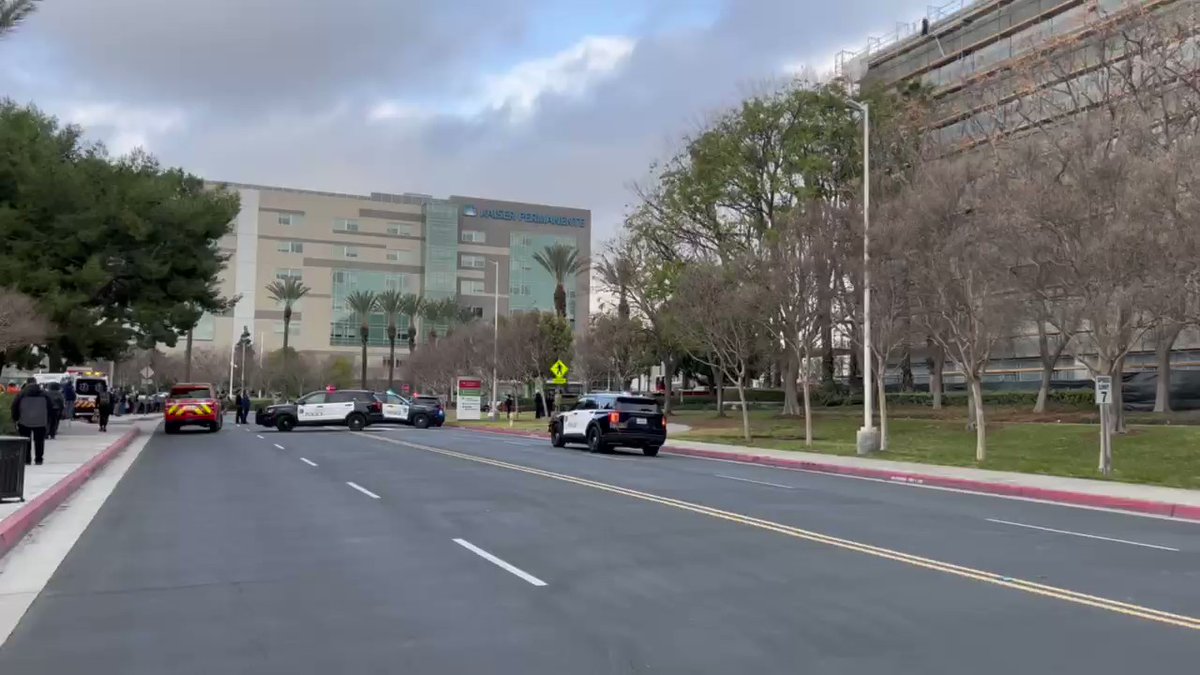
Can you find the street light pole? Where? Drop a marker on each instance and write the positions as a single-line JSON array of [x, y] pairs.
[[868, 437], [495, 338], [244, 341]]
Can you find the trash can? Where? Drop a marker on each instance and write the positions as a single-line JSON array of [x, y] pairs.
[[12, 467]]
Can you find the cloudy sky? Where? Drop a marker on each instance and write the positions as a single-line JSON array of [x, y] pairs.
[[553, 101]]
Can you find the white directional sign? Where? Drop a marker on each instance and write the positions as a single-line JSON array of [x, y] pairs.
[[1103, 390], [147, 373]]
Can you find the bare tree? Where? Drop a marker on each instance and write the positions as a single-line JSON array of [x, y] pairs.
[[963, 294], [21, 321], [718, 315]]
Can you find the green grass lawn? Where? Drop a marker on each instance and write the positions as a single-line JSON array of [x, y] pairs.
[[523, 422], [1160, 454]]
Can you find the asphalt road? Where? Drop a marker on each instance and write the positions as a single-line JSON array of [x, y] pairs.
[[448, 551]]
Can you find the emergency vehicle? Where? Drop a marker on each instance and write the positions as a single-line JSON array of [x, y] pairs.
[[87, 383], [192, 404]]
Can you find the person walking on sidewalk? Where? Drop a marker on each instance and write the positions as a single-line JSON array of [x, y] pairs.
[[57, 405], [69, 397], [104, 406], [31, 411]]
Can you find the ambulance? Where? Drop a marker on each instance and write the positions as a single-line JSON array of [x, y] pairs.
[[87, 383]]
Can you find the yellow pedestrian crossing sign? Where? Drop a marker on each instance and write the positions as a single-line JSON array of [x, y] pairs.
[[559, 370]]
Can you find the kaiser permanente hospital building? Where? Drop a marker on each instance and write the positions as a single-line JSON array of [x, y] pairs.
[[340, 243]]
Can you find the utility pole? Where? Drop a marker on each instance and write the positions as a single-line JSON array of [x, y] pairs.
[[868, 437], [495, 339]]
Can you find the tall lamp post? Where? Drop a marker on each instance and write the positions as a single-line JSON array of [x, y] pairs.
[[495, 339], [867, 440]]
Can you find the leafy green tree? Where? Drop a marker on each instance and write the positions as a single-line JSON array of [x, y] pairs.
[[287, 291], [413, 306], [392, 303], [563, 262], [116, 252], [12, 12], [363, 304]]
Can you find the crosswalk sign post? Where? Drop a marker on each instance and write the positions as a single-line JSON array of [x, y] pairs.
[[559, 370]]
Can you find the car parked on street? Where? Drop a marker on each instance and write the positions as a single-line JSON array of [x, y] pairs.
[[352, 408], [192, 405], [607, 420], [417, 412]]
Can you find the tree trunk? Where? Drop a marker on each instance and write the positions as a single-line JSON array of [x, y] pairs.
[[668, 375], [790, 370], [936, 370], [1162, 357], [826, 319], [906, 374], [980, 422], [187, 357], [391, 360], [1118, 398], [741, 387], [883, 419], [808, 413], [719, 381], [363, 368], [560, 301], [1049, 361]]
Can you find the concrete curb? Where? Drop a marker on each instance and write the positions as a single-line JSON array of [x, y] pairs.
[[1183, 511], [19, 523]]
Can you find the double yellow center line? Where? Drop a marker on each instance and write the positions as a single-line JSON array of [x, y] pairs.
[[1128, 609]]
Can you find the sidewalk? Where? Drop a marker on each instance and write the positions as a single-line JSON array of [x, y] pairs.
[[1149, 499], [78, 452]]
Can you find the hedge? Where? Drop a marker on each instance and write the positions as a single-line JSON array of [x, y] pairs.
[[7, 427]]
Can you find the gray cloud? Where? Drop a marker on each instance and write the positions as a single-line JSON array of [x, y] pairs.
[[279, 92]]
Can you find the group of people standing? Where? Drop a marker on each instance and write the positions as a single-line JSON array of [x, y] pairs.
[[37, 413], [241, 408]]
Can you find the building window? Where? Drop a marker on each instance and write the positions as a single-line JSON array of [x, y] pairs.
[[290, 219], [472, 287], [474, 237], [476, 262], [520, 289], [344, 225], [396, 282], [439, 280], [291, 247], [476, 312], [293, 328], [401, 230], [285, 273], [346, 251], [406, 257]]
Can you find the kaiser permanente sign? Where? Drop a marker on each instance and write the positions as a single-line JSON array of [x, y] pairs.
[[535, 218]]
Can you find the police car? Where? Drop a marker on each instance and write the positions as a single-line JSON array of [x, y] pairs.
[[607, 420], [420, 411], [353, 408]]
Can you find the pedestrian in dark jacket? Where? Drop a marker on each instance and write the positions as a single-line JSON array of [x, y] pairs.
[[244, 408], [104, 406], [31, 411], [57, 405], [69, 396]]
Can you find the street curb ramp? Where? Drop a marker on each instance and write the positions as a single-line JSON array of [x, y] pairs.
[[1182, 511], [24, 519]]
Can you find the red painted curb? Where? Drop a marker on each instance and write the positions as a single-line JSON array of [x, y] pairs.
[[24, 519], [1184, 511]]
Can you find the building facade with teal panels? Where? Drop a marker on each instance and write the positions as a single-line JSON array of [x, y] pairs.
[[479, 252]]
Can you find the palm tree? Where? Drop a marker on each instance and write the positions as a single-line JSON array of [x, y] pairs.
[[562, 262], [363, 304], [618, 273], [413, 306], [287, 291], [392, 304], [437, 311], [12, 12]]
